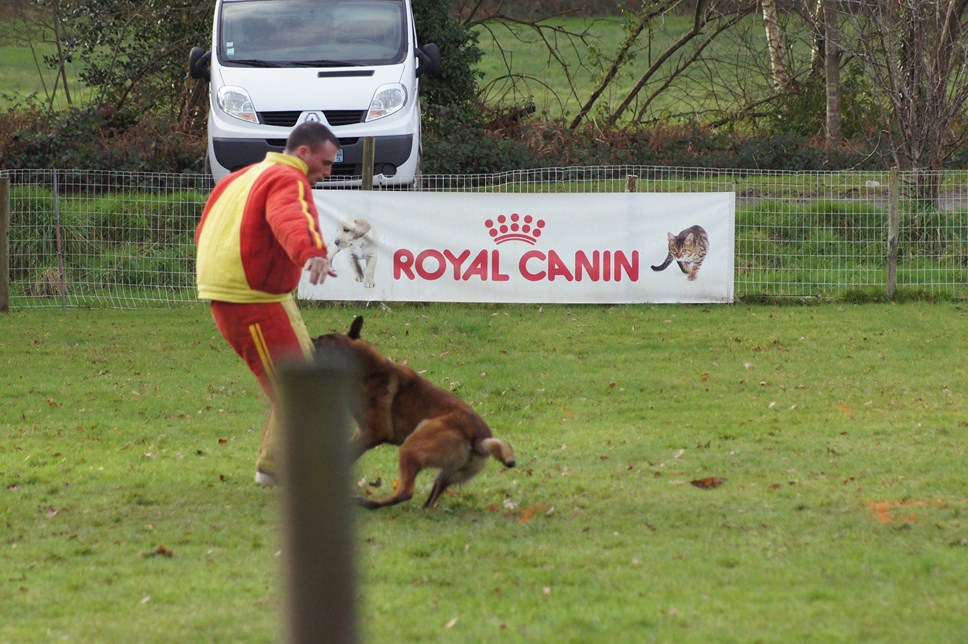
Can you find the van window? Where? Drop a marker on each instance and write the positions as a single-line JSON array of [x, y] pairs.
[[318, 33]]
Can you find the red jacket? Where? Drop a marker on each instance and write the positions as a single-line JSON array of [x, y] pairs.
[[257, 230]]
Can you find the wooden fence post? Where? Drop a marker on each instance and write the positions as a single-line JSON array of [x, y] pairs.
[[318, 545], [4, 244], [631, 183], [369, 152], [893, 222]]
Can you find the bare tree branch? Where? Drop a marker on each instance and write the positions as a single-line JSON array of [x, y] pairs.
[[621, 57], [685, 64], [701, 17], [916, 57], [555, 39]]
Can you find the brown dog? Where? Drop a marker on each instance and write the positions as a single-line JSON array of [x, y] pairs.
[[433, 427]]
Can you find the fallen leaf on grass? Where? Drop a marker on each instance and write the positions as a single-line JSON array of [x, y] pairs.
[[530, 512], [708, 483], [160, 551], [884, 510]]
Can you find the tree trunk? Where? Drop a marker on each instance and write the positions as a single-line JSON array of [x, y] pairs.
[[782, 80], [818, 45], [832, 130]]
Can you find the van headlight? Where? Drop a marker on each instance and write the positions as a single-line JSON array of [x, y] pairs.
[[386, 100], [236, 102]]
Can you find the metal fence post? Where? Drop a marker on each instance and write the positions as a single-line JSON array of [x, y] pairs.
[[4, 244], [893, 221], [61, 277], [318, 544]]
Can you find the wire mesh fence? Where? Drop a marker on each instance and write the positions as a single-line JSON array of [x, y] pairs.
[[122, 239]]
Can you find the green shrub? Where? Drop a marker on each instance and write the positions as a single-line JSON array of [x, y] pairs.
[[92, 140], [456, 146]]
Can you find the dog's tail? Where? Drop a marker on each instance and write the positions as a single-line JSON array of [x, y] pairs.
[[498, 449]]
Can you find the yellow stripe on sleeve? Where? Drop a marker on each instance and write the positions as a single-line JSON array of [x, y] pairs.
[[317, 238]]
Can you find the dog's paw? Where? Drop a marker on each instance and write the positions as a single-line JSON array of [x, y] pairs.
[[369, 284]]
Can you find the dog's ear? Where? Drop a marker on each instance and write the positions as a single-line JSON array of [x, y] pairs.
[[362, 226], [356, 327]]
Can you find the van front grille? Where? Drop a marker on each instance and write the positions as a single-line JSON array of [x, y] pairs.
[[344, 117], [334, 117]]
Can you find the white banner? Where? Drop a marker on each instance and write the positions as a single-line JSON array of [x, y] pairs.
[[529, 248]]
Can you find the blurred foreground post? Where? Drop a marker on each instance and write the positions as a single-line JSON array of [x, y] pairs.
[[318, 543]]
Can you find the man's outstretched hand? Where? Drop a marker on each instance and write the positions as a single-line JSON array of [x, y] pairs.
[[319, 269]]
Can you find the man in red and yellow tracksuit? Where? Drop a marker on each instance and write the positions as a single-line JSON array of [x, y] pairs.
[[259, 230]]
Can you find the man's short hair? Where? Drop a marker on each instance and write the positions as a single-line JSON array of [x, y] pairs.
[[311, 134]]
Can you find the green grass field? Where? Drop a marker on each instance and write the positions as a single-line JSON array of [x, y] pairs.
[[21, 78], [128, 442]]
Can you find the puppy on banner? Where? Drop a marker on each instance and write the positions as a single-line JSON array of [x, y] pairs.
[[357, 236]]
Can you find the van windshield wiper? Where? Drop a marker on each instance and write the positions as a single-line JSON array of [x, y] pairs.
[[324, 63], [255, 62]]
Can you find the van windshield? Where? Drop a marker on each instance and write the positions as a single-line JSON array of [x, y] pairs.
[[320, 33]]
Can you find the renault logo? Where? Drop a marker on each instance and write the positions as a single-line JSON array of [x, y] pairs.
[[313, 117]]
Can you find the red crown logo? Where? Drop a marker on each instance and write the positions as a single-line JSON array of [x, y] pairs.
[[514, 228]]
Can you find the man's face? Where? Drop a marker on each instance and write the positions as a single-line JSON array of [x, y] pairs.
[[319, 159]]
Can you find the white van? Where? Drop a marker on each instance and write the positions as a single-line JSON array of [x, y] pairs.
[[351, 64]]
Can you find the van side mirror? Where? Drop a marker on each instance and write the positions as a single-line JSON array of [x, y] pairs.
[[429, 57], [199, 66]]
